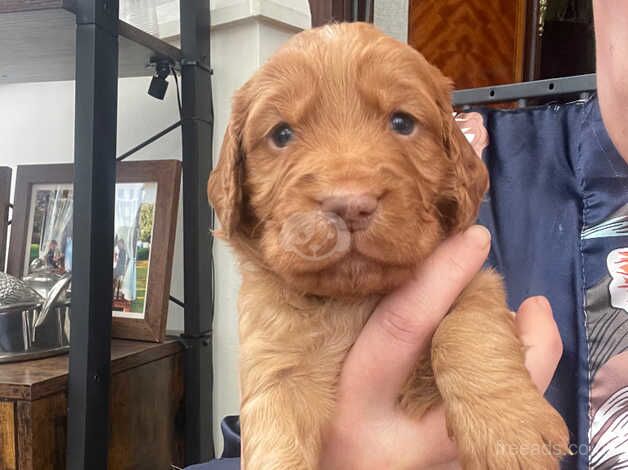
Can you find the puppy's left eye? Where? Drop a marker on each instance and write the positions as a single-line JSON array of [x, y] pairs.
[[402, 123], [282, 135]]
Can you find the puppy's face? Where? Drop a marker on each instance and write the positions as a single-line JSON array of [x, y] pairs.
[[342, 167]]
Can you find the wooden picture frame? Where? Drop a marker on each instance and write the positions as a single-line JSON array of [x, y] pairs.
[[5, 202], [163, 178]]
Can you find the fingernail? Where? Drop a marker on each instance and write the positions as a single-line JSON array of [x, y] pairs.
[[478, 235], [542, 302]]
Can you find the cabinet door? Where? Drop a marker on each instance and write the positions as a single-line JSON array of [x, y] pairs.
[[7, 436], [41, 433], [474, 42]]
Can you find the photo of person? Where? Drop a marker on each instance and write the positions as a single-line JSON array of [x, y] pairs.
[[134, 220], [120, 263], [53, 255], [50, 229], [49, 246]]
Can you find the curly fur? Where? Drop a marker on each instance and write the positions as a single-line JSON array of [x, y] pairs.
[[309, 285]]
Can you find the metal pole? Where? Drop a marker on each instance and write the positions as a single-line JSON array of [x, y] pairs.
[[532, 42], [94, 194], [197, 124], [149, 141]]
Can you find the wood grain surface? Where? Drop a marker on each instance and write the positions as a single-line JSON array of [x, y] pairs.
[[146, 421], [8, 457], [42, 433], [32, 380], [146, 403], [476, 42]]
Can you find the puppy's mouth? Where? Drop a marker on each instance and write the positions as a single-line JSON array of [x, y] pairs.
[[321, 239]]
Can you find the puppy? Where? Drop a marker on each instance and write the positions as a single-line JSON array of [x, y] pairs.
[[341, 170]]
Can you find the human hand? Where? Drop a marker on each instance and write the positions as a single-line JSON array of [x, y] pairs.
[[368, 430]]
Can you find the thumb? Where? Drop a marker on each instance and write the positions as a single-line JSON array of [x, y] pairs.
[[539, 334]]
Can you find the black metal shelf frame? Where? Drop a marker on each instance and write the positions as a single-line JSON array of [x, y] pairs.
[[97, 29], [522, 91]]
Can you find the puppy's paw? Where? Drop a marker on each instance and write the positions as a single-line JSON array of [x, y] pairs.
[[524, 433]]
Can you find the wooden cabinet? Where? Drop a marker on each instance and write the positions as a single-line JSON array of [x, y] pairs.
[[474, 42], [146, 409]]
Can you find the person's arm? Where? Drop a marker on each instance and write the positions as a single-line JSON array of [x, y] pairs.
[[611, 35]]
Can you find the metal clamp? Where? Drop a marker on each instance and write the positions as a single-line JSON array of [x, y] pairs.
[[197, 63]]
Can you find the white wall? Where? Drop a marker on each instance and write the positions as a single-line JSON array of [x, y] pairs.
[[37, 127], [245, 34], [391, 16]]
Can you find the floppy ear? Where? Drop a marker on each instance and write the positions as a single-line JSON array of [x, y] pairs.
[[224, 187], [468, 181], [468, 177]]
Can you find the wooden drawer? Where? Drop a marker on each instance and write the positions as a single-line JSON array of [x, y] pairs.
[[146, 406]]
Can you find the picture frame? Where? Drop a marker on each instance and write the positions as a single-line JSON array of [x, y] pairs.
[[5, 203], [147, 198]]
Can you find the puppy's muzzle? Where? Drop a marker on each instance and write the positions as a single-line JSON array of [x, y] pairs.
[[356, 209]]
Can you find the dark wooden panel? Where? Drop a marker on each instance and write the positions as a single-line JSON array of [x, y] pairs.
[[42, 433], [475, 42], [5, 199], [24, 435], [145, 404], [35, 379], [146, 426], [8, 460]]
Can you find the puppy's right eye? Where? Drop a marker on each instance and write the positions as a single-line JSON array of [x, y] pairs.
[[282, 135], [402, 123]]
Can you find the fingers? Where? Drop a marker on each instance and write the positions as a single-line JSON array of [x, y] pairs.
[[403, 323], [538, 332]]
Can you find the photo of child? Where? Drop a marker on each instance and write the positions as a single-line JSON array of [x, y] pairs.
[[50, 239]]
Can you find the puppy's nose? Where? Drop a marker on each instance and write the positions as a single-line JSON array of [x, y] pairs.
[[355, 209]]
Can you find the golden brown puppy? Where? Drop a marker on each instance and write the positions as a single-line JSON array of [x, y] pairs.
[[341, 170]]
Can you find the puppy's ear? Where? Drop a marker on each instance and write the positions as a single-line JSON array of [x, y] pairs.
[[468, 179], [224, 187]]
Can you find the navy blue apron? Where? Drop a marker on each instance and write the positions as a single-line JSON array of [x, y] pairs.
[[558, 212]]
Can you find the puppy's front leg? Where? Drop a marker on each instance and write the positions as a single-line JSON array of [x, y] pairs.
[[496, 415], [281, 424], [290, 361]]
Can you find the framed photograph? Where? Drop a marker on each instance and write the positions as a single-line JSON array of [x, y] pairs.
[[146, 202], [5, 200]]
